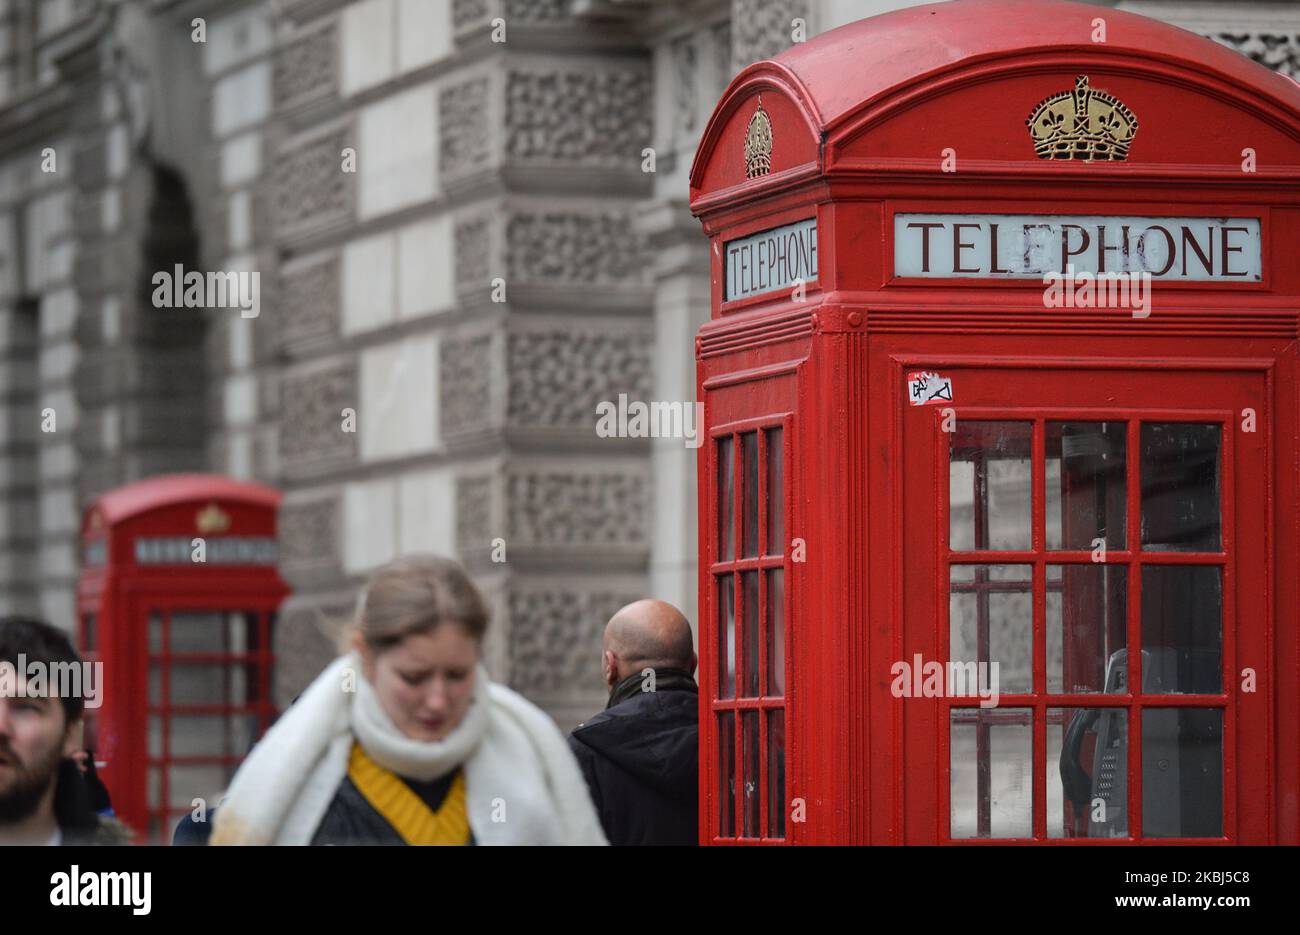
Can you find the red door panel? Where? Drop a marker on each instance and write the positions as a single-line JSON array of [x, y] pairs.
[[1091, 542]]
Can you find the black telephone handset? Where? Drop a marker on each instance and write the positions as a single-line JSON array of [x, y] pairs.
[[1099, 797], [1181, 759]]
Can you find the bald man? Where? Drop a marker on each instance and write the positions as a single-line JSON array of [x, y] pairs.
[[640, 755]]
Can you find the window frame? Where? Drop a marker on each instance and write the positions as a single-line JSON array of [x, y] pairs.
[[719, 569], [259, 660], [1134, 558]]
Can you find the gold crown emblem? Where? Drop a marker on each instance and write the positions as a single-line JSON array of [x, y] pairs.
[[212, 519], [1082, 124], [758, 143]]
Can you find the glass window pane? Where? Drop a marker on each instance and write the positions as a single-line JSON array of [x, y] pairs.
[[726, 498], [749, 664], [1087, 773], [155, 786], [241, 733], [991, 763], [155, 632], [726, 637], [990, 620], [241, 630], [91, 646], [199, 684], [1182, 629], [1086, 627], [1182, 772], [776, 773], [209, 735], [1180, 487], [155, 735], [989, 486], [206, 684], [749, 444], [776, 632], [1086, 484], [750, 802], [243, 682], [775, 492], [197, 632], [727, 774]]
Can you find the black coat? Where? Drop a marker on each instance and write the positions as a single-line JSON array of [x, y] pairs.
[[640, 757]]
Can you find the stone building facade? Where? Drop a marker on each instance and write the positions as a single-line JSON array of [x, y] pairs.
[[470, 222]]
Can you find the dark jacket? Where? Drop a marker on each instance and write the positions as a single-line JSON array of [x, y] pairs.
[[76, 815], [108, 832], [640, 757], [190, 832]]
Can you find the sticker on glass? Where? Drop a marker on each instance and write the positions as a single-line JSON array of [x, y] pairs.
[[924, 388]]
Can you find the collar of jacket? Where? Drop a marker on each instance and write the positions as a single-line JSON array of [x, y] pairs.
[[665, 680]]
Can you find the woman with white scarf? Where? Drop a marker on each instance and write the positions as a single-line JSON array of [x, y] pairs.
[[406, 739]]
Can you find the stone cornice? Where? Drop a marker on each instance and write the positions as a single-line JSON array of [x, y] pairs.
[[35, 118]]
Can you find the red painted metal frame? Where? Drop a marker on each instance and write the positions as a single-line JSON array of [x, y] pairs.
[[857, 138]]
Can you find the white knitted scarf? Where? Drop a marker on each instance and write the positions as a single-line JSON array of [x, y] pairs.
[[522, 784]]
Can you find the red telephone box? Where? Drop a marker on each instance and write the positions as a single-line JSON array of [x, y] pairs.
[[998, 521], [177, 598]]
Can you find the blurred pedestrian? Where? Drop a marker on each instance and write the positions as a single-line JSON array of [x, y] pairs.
[[405, 739], [44, 798], [640, 756]]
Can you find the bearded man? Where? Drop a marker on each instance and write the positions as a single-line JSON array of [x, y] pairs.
[[43, 796]]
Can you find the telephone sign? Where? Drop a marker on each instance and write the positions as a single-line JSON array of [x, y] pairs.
[[989, 246]]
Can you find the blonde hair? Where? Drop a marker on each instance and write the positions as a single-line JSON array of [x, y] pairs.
[[416, 594]]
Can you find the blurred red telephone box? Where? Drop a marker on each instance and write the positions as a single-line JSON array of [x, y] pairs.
[[996, 545], [177, 597]]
